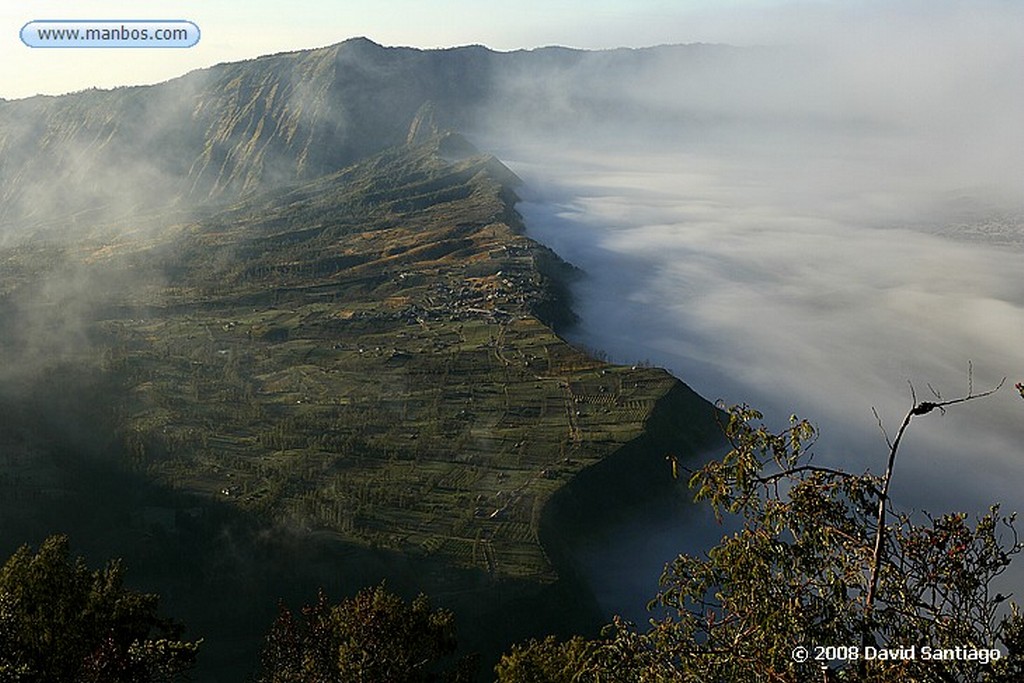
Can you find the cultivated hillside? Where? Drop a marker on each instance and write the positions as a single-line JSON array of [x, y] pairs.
[[369, 355], [278, 300]]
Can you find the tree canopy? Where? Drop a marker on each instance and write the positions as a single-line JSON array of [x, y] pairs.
[[822, 574], [61, 621], [372, 637]]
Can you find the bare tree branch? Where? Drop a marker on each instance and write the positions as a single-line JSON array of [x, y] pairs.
[[922, 408], [881, 427]]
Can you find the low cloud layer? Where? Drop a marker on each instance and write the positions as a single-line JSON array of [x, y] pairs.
[[717, 270], [792, 310], [816, 230], [808, 226]]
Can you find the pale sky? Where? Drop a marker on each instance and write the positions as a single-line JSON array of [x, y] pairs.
[[233, 30], [241, 29]]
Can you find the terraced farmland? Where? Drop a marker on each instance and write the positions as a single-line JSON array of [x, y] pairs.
[[370, 355]]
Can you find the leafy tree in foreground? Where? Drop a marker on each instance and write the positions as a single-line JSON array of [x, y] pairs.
[[822, 558], [546, 661], [62, 622], [373, 637]]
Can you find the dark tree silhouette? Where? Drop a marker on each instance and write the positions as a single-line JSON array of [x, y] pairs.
[[62, 622], [373, 637]]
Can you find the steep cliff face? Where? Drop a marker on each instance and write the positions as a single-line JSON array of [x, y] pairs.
[[235, 129], [221, 132]]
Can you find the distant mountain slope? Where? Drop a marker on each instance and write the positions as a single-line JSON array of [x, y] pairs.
[[236, 128], [279, 290], [218, 132]]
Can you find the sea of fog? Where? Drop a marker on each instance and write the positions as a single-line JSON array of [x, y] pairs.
[[825, 280]]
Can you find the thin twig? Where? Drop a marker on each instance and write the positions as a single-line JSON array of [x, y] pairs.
[[922, 408], [881, 427]]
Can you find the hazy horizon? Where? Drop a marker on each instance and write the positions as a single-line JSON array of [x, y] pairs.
[[263, 28], [230, 34]]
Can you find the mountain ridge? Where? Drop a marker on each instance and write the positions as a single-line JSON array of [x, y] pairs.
[[366, 355], [235, 128]]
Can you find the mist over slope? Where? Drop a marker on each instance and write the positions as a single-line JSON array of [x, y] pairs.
[[806, 228], [843, 218], [817, 228], [219, 132], [361, 360], [234, 129]]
